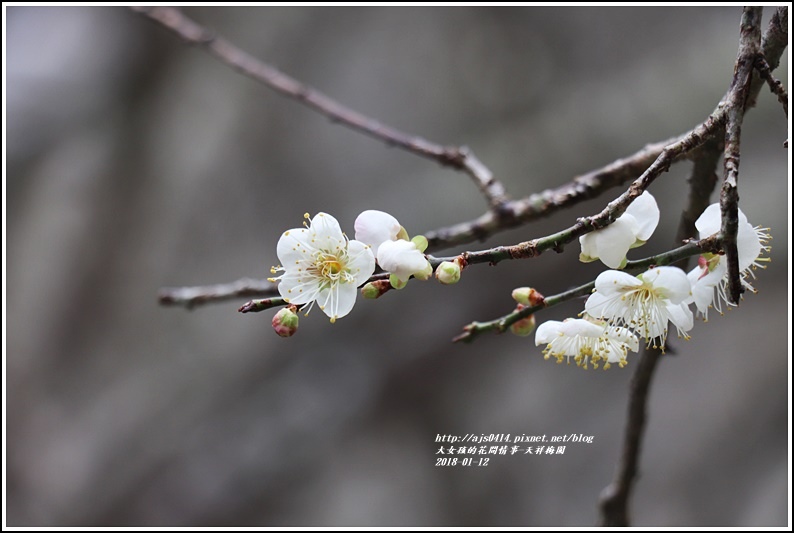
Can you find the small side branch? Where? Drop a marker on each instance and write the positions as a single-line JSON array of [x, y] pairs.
[[255, 306], [190, 297], [500, 325], [609, 214], [459, 158], [774, 84]]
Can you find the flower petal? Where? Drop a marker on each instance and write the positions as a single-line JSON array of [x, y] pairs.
[[297, 288], [338, 300], [376, 227], [361, 261], [401, 258], [583, 328], [709, 222], [670, 282], [748, 245], [547, 332], [681, 316], [614, 241], [646, 213], [293, 246], [614, 282]]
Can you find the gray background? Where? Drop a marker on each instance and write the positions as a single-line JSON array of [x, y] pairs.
[[135, 162]]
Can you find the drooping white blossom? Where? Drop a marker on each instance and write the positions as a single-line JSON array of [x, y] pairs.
[[709, 279], [321, 265], [401, 258], [394, 253], [645, 303], [376, 227], [587, 341], [631, 229]]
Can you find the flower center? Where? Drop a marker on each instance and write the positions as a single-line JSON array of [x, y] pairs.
[[331, 267]]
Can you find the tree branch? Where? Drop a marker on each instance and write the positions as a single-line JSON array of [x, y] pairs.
[[459, 158], [615, 496], [610, 213], [190, 297], [749, 43]]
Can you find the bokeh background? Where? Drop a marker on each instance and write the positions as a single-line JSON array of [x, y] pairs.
[[135, 162]]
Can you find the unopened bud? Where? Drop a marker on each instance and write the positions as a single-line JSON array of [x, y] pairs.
[[421, 243], [285, 322], [523, 327], [370, 291], [375, 289], [528, 296], [424, 274], [448, 272], [396, 282]]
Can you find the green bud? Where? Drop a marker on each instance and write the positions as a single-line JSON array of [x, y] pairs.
[[448, 272], [285, 322], [421, 243], [523, 327], [527, 296], [396, 282], [370, 291]]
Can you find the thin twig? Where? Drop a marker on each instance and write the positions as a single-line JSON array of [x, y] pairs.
[[774, 84], [609, 214], [255, 306], [459, 158], [500, 325], [749, 43], [190, 297]]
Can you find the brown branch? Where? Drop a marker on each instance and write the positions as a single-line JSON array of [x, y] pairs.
[[615, 496], [701, 184], [609, 214], [255, 306], [459, 158], [774, 84], [190, 297], [749, 43]]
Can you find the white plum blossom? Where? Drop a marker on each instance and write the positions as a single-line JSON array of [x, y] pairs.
[[394, 253], [645, 303], [631, 229], [376, 227], [709, 279], [321, 265], [704, 279], [586, 341], [401, 258]]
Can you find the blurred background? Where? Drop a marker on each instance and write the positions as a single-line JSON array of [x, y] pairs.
[[136, 162]]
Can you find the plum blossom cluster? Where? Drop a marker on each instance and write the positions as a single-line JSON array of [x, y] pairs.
[[624, 308], [322, 266]]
